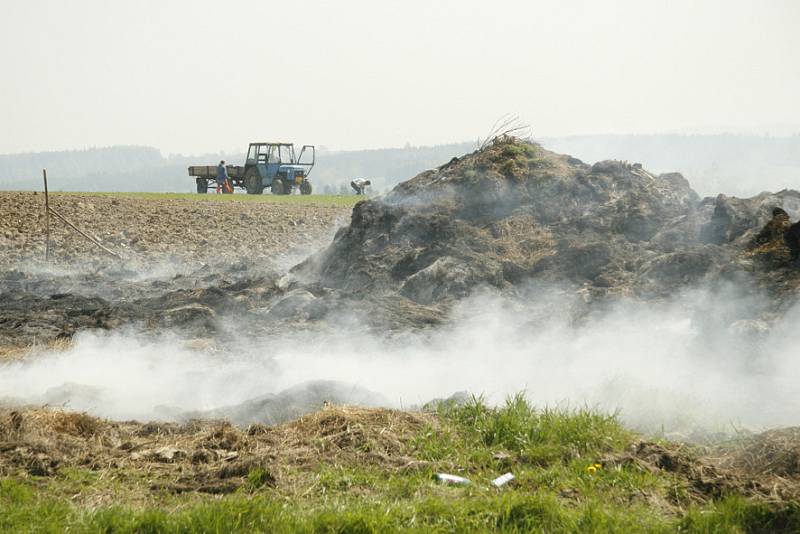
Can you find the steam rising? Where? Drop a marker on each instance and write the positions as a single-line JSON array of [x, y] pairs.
[[696, 361]]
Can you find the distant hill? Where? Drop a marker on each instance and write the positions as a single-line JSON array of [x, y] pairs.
[[741, 165], [118, 168]]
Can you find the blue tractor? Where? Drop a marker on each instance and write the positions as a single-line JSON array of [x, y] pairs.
[[274, 166], [268, 165]]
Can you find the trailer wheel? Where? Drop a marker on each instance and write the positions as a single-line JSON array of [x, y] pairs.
[[252, 183], [305, 187], [277, 187], [202, 186]]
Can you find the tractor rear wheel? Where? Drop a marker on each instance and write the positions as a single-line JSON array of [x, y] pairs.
[[252, 183], [305, 187], [202, 186], [277, 187]]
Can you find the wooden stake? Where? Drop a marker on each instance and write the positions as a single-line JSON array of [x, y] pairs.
[[47, 218], [84, 234]]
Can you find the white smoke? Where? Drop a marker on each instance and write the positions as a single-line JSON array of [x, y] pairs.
[[696, 361]]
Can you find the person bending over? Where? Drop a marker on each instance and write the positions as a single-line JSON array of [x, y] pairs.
[[360, 185]]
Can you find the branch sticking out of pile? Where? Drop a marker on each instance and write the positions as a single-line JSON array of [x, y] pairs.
[[506, 126]]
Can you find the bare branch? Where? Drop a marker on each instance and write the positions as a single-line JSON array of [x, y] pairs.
[[506, 126]]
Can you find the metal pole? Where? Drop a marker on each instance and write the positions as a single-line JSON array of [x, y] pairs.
[[47, 218]]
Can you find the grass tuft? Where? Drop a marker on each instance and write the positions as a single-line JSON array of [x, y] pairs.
[[541, 436]]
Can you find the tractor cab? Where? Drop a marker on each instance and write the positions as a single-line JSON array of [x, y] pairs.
[[274, 165]]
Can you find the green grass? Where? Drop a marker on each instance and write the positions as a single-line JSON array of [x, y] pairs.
[[549, 452], [503, 512], [311, 200]]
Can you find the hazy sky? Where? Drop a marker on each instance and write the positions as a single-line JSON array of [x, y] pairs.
[[196, 76]]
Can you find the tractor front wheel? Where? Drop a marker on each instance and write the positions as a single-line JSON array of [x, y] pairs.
[[253, 184], [202, 186], [305, 187], [277, 187]]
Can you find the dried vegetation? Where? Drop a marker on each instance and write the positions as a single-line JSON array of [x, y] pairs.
[[205, 456]]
